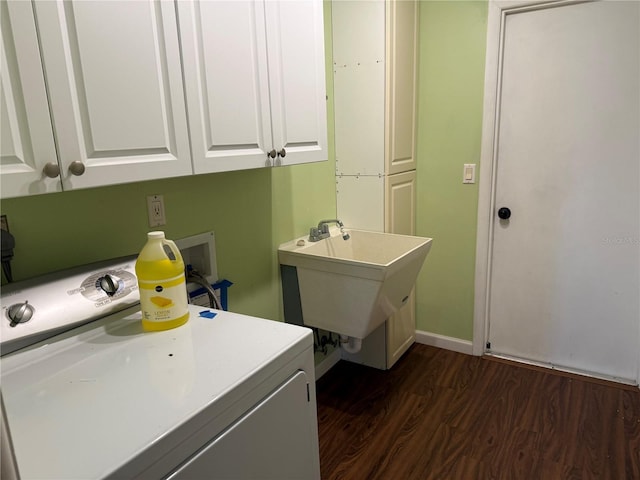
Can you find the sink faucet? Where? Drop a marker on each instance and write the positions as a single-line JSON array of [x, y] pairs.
[[322, 230]]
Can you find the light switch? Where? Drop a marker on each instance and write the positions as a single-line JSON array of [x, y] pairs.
[[469, 174]]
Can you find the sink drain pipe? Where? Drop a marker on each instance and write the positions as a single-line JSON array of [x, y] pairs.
[[350, 344]]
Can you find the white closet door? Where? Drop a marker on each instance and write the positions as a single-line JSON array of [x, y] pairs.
[[26, 143], [226, 78], [400, 204], [115, 83], [401, 79], [565, 271], [295, 40]]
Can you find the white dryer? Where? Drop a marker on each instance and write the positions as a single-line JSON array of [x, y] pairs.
[[223, 396]]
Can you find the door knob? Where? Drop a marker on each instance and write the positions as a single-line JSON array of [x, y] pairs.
[[282, 153], [272, 153], [504, 213], [51, 170], [76, 168]]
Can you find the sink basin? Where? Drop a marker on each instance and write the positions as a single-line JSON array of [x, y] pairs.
[[352, 286]]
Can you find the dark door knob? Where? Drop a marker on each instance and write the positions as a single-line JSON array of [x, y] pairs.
[[504, 213]]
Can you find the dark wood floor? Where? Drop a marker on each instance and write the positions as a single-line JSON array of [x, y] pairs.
[[438, 414]]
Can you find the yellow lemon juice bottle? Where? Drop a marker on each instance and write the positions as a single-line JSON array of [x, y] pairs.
[[161, 280]]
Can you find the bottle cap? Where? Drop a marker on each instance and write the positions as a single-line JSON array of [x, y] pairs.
[[155, 235]]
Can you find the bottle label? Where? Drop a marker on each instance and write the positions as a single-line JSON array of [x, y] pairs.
[[164, 300]]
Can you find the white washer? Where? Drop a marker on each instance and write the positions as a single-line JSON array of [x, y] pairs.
[[223, 396]]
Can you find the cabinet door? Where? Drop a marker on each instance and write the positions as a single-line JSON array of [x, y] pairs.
[[26, 143], [400, 218], [400, 203], [402, 41], [225, 70], [295, 40], [115, 83]]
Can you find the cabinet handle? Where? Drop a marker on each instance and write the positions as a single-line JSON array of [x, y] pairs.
[[76, 168], [282, 153], [51, 170], [272, 153]]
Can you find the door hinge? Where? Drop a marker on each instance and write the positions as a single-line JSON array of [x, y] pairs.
[[308, 394], [488, 345]]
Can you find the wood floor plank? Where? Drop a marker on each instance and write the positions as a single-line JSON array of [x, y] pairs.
[[629, 409], [444, 415], [387, 443], [546, 413], [553, 470], [597, 432], [519, 455], [421, 433]]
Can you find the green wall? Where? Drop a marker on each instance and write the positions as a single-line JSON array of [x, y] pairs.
[[253, 211], [450, 95], [250, 211]]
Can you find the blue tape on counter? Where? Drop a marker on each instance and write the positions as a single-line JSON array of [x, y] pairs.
[[207, 314]]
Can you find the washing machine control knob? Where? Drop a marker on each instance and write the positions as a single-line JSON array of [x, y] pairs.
[[20, 313], [108, 284]]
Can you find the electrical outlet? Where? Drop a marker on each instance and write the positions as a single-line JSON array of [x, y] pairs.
[[155, 208], [4, 223]]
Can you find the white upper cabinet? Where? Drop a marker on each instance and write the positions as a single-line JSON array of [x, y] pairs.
[[255, 82], [115, 90], [26, 142], [92, 92]]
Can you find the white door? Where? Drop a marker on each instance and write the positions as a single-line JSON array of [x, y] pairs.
[[27, 144], [115, 83], [565, 269]]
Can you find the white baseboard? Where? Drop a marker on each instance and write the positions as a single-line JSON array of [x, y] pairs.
[[442, 341], [325, 365]]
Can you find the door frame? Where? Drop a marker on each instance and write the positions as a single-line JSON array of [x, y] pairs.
[[498, 11]]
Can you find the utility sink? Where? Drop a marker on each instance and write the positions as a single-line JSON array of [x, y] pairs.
[[352, 286]]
